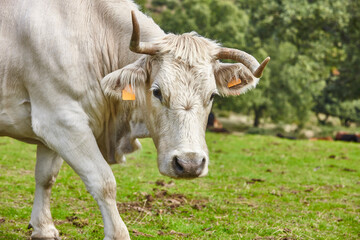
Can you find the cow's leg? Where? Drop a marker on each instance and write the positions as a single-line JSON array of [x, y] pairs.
[[48, 164], [76, 144], [86, 159]]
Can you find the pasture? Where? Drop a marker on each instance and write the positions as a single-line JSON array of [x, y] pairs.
[[258, 188]]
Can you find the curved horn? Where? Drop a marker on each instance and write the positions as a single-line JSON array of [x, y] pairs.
[[135, 44], [244, 58]]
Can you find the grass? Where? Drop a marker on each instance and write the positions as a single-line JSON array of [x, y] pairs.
[[235, 122], [258, 187]]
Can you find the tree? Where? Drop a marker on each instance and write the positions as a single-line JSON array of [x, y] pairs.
[[342, 92], [306, 40]]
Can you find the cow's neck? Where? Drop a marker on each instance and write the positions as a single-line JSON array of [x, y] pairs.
[[112, 53], [113, 42]]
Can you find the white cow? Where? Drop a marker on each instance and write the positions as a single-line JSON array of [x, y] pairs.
[[63, 67]]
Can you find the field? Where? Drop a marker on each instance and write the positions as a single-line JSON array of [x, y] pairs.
[[258, 187]]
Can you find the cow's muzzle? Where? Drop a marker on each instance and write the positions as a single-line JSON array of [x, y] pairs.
[[188, 165]]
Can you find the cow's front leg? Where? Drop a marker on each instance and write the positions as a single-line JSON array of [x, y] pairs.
[[48, 164], [76, 144], [86, 159]]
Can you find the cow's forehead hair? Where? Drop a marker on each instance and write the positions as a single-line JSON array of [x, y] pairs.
[[175, 72], [189, 48], [182, 83], [186, 60]]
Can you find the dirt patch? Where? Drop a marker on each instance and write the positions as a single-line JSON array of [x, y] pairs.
[[2, 220], [141, 207], [254, 180], [160, 201], [349, 170], [331, 188], [172, 232], [76, 221], [137, 233], [164, 184], [264, 238]]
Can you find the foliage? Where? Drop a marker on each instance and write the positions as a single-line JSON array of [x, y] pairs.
[[307, 40], [347, 111], [293, 190]]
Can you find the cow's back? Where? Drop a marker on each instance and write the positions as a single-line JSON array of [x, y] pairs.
[[49, 56], [53, 55]]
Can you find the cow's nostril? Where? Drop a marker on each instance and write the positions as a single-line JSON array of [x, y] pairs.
[[201, 166], [177, 165]]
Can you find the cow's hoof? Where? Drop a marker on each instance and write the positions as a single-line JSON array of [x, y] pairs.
[[49, 234]]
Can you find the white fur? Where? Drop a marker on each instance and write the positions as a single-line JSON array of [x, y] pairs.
[[63, 65]]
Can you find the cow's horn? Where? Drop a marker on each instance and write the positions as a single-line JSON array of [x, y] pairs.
[[135, 44], [244, 58]]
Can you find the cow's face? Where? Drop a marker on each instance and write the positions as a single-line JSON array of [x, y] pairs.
[[175, 83], [178, 103]]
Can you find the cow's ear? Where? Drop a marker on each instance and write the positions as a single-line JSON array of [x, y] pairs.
[[127, 83], [234, 79]]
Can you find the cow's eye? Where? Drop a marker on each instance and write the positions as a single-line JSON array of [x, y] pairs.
[[157, 94]]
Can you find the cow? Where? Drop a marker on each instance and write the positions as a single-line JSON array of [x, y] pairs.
[[347, 137], [65, 68]]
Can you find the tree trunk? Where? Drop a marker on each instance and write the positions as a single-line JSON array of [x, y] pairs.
[[258, 112], [346, 122]]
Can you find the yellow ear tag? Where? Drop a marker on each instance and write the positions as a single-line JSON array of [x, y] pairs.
[[234, 82], [128, 93]]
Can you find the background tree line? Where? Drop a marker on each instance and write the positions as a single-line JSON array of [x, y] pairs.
[[314, 46]]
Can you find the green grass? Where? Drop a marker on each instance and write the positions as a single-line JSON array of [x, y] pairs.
[[258, 187]]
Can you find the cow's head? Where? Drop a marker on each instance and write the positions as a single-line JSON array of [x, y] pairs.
[[175, 82]]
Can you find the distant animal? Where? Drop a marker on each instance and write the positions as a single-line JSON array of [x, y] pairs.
[[347, 137], [67, 72], [214, 125]]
